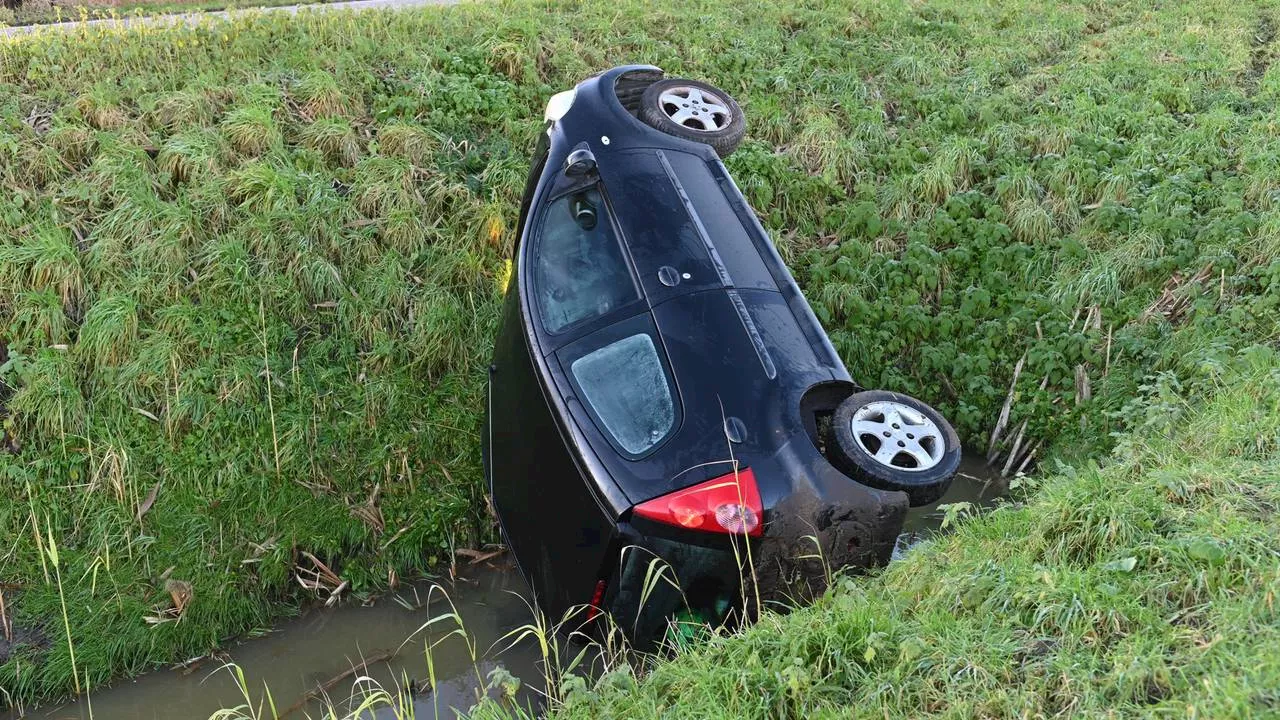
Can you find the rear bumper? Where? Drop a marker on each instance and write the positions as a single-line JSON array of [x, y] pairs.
[[828, 524]]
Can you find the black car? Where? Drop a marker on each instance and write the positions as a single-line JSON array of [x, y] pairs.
[[660, 389]]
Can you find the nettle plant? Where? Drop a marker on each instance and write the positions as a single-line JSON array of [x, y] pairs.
[[1046, 287]]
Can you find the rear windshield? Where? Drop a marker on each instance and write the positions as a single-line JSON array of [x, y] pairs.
[[626, 387], [579, 271]]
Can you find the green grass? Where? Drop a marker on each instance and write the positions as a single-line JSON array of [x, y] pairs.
[[256, 265], [44, 12]]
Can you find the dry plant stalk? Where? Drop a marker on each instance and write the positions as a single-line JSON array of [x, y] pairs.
[[369, 511], [326, 686], [1176, 296], [1003, 420], [5, 625], [320, 578]]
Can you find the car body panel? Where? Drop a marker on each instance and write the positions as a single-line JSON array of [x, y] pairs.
[[712, 207], [672, 223]]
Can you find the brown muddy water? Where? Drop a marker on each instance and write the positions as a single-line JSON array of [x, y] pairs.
[[307, 652], [975, 483]]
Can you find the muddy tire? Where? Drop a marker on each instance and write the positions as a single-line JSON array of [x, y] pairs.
[[694, 111], [892, 441]]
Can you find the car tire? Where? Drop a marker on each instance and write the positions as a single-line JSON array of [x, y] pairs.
[[892, 441], [710, 115]]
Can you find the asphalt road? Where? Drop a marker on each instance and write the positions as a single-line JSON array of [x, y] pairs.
[[185, 18]]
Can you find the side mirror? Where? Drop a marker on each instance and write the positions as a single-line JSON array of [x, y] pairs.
[[580, 163]]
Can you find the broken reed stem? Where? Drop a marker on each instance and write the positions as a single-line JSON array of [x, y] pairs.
[[336, 593], [1003, 420], [1106, 368], [1084, 387], [1026, 459], [1013, 453], [325, 687], [5, 625]]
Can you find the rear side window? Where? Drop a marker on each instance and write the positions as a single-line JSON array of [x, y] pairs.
[[579, 270], [626, 387]]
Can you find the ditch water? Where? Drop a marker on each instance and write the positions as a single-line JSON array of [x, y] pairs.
[[307, 652], [310, 651], [975, 483]]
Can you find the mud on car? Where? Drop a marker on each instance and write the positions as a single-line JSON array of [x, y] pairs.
[[661, 390]]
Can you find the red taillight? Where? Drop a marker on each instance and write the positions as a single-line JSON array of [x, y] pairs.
[[727, 504], [597, 597]]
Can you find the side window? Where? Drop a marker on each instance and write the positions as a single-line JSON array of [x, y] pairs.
[[626, 387], [579, 270]]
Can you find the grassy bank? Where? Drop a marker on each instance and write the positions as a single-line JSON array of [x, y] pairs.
[[43, 12], [249, 271]]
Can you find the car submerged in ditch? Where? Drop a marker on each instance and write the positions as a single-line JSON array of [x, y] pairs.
[[669, 431]]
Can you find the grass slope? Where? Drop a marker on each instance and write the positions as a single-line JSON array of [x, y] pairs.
[[43, 12], [255, 264]]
